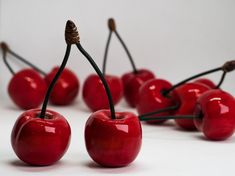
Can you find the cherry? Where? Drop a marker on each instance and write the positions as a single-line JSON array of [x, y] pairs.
[[40, 136], [207, 82], [66, 88], [38, 141], [112, 138], [215, 114], [93, 89], [132, 83], [160, 96], [94, 94], [27, 89], [186, 96], [113, 143], [151, 97], [131, 80], [7, 50]]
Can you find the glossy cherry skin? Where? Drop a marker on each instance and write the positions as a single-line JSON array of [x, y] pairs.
[[39, 141], [207, 82], [186, 96], [151, 98], [215, 114], [27, 89], [132, 82], [113, 143], [94, 94], [66, 88]]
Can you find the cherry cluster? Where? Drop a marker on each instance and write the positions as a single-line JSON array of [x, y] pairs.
[[113, 139]]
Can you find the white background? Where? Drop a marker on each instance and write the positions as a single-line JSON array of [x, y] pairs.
[[174, 38]]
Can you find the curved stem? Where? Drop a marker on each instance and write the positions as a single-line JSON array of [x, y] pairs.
[[167, 117], [127, 52], [26, 62], [53, 82], [4, 55], [221, 80], [166, 92], [106, 52], [160, 111], [101, 76]]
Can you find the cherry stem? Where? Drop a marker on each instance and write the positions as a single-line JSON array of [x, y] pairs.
[[53, 82], [4, 55], [166, 92], [106, 52], [170, 108], [112, 28], [101, 76], [6, 49], [226, 67], [221, 80], [141, 118], [127, 52], [26, 62]]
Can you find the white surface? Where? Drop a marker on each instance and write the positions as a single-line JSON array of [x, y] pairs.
[[166, 150], [191, 35]]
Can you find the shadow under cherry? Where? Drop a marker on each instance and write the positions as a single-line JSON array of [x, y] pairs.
[[17, 164]]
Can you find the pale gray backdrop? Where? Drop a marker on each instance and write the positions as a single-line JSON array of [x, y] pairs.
[[174, 38]]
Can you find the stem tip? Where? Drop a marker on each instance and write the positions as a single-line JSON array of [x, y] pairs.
[[111, 24], [71, 33], [229, 66], [4, 46]]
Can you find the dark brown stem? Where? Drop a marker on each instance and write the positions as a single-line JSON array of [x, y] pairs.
[[221, 80], [101, 76], [171, 108], [112, 28], [106, 52], [167, 117], [135, 71], [6, 50], [71, 37], [227, 67], [53, 82]]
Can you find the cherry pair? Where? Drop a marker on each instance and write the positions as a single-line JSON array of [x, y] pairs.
[[214, 115], [41, 136], [27, 87], [128, 84], [216, 112]]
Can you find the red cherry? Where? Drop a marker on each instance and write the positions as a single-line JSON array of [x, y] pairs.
[[113, 142], [66, 88], [132, 82], [151, 97], [215, 114], [207, 82], [94, 93], [39, 141], [186, 96], [27, 89]]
